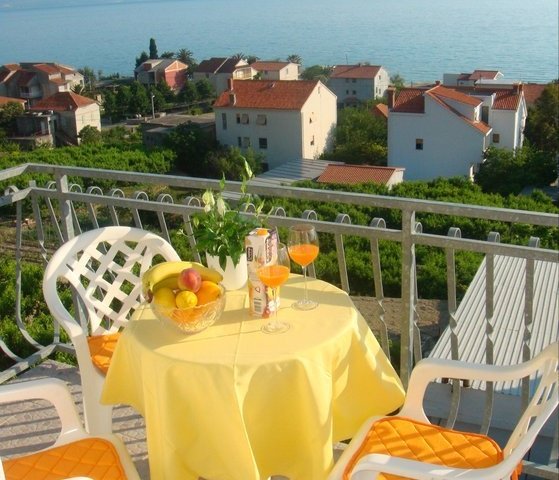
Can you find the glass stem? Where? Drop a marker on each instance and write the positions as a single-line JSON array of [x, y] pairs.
[[305, 298], [275, 300]]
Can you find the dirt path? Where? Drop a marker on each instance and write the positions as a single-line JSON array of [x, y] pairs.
[[432, 314]]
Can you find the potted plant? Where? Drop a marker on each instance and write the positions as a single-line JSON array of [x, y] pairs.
[[220, 232]]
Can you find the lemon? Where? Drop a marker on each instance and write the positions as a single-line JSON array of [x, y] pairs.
[[165, 297], [186, 299]]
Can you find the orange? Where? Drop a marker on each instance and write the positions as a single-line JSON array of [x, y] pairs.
[[208, 292]]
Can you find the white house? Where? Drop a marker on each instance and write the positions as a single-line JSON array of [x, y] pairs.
[[34, 81], [61, 116], [470, 79], [440, 131], [435, 132], [358, 83], [219, 70], [284, 120], [276, 70]]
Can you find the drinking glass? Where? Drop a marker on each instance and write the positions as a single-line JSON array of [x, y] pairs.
[[273, 275], [303, 249]]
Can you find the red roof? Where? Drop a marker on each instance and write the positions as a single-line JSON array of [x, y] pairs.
[[218, 65], [380, 110], [48, 69], [278, 94], [480, 74], [62, 102], [532, 92], [355, 71], [412, 100], [272, 66], [506, 100], [353, 174], [6, 100], [451, 94], [409, 100], [25, 78]]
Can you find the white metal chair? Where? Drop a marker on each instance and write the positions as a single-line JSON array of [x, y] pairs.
[[75, 454], [104, 267], [373, 450]]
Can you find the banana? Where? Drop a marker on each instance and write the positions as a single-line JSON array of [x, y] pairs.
[[208, 273], [169, 282], [162, 272]]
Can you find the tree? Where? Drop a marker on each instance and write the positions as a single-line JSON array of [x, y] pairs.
[[142, 58], [8, 114], [152, 48], [140, 102], [186, 56], [123, 97], [90, 135], [163, 88], [109, 104], [190, 143], [88, 77], [542, 124], [205, 89], [251, 59], [506, 172], [317, 72], [294, 58], [167, 54], [360, 138], [397, 81], [188, 93]]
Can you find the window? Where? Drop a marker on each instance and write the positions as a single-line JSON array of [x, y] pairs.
[[347, 92], [244, 118], [224, 121], [353, 80], [261, 119], [239, 142], [263, 143], [419, 144], [246, 142], [496, 138], [312, 140], [354, 92], [238, 118]]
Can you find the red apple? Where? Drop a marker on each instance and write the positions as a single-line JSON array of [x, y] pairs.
[[189, 279]]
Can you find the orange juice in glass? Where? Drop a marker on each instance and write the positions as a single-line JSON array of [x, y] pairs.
[[303, 249], [273, 276]]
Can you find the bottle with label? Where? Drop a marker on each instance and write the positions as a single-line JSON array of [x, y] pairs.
[[260, 240]]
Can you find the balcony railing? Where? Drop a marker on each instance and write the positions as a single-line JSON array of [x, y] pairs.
[[55, 207]]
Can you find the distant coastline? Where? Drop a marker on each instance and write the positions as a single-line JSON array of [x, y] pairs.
[[455, 37]]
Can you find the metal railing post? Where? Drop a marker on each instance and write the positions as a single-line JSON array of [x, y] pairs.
[[408, 283]]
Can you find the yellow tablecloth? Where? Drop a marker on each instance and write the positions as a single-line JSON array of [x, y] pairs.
[[233, 403]]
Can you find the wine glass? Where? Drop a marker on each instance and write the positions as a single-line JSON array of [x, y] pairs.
[[303, 249], [274, 274]]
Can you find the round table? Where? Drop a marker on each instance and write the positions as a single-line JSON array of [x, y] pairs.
[[234, 403]]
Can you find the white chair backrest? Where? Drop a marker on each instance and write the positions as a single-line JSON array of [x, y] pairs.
[[105, 268], [543, 372]]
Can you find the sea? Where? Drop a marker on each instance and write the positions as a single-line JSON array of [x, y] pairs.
[[419, 40]]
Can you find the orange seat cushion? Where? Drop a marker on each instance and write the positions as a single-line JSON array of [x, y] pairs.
[[413, 440], [101, 349], [92, 457]]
